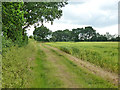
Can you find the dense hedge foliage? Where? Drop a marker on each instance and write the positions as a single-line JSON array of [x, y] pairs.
[[13, 20]]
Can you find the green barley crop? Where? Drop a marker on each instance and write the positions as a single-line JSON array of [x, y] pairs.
[[102, 54]]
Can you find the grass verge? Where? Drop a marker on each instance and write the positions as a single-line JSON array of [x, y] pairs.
[[17, 66]]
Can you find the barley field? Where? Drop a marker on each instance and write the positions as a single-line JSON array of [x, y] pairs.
[[102, 54]]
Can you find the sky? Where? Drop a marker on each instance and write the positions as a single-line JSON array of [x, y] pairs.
[[102, 15]]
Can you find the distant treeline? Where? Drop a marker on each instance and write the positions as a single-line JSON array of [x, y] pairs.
[[79, 34]]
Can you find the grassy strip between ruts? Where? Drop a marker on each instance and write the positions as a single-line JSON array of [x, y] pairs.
[[44, 72], [83, 77]]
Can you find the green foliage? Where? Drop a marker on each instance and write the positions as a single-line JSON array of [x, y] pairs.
[[103, 54], [7, 42], [82, 34], [60, 35], [13, 20], [65, 49], [41, 33], [25, 40], [42, 12], [31, 37], [79, 34]]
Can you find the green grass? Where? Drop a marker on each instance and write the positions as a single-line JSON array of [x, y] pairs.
[[44, 72], [16, 66], [83, 77], [103, 54]]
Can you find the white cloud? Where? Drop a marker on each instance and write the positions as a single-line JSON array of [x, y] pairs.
[[94, 12], [111, 29]]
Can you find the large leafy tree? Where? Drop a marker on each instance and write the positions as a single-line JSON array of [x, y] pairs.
[[57, 35], [76, 34], [60, 35], [88, 33], [81, 34], [41, 33], [67, 35], [42, 12], [18, 16]]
